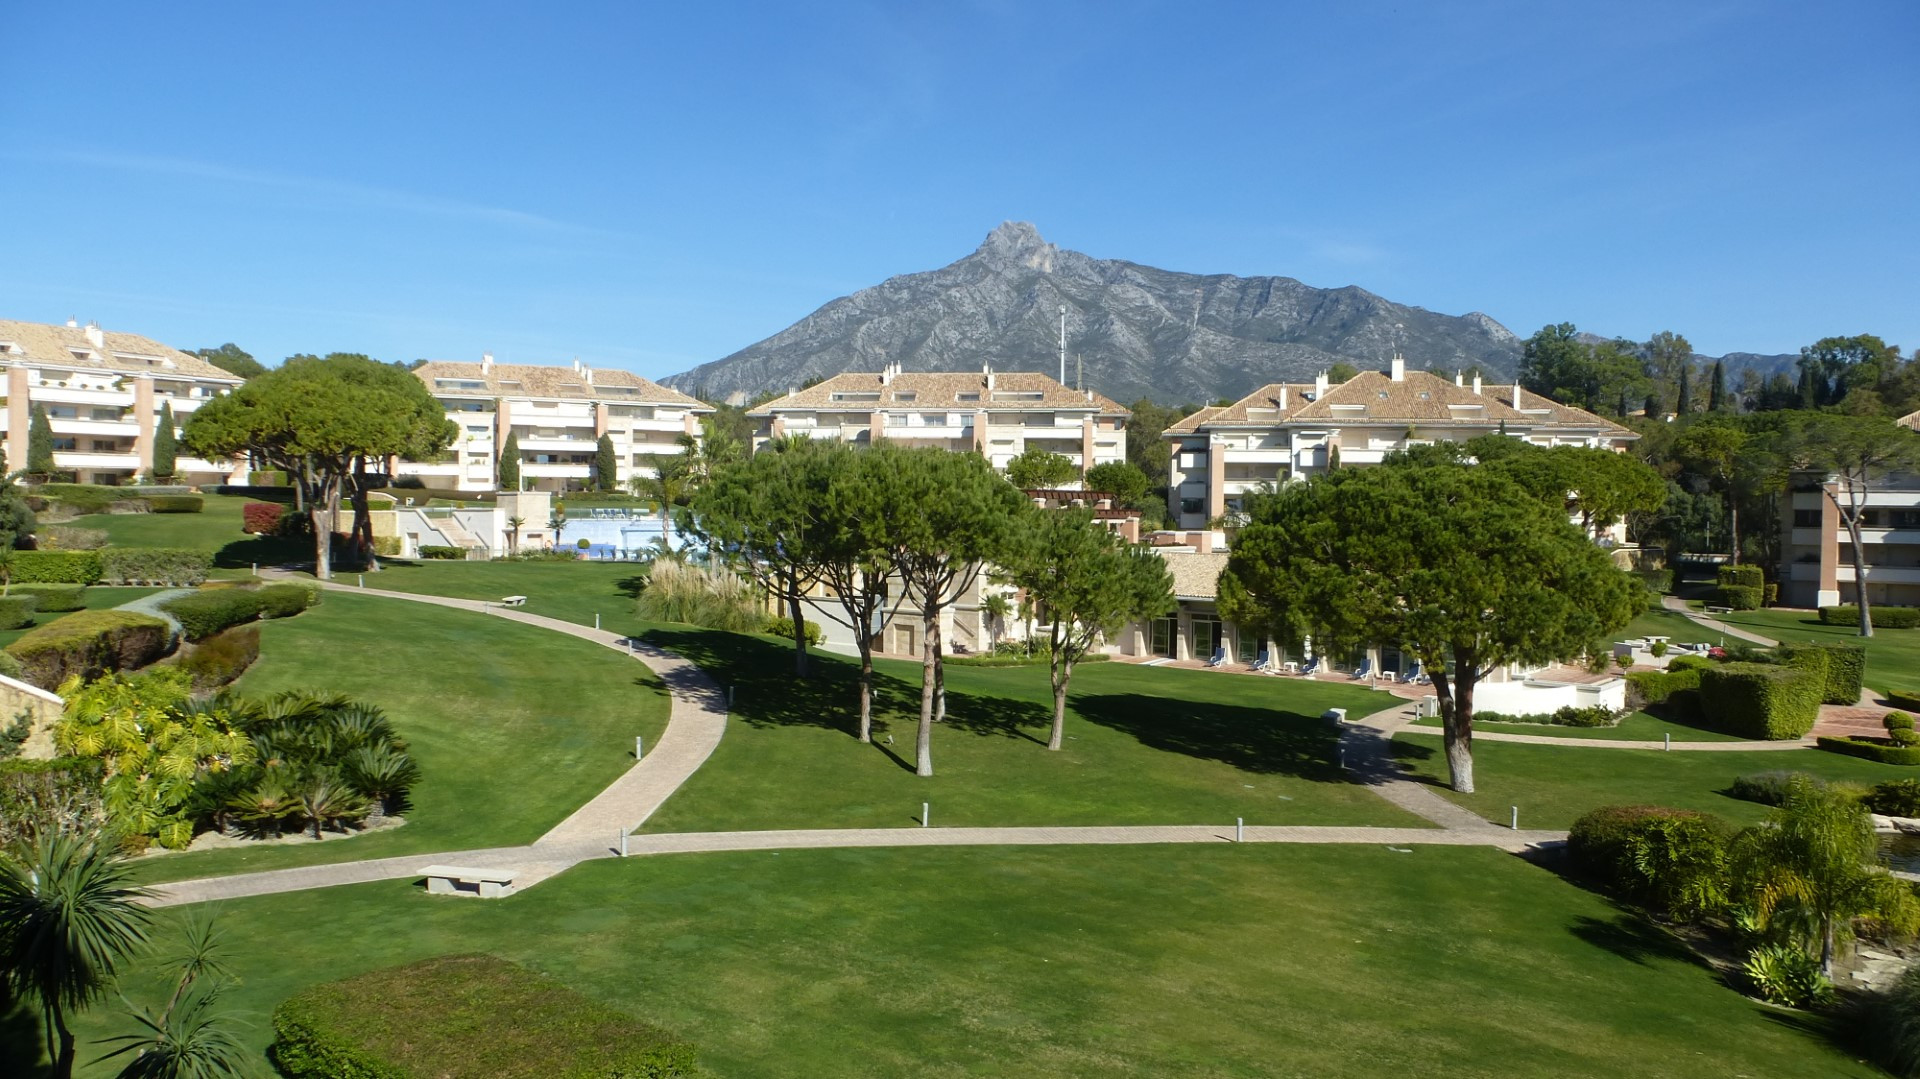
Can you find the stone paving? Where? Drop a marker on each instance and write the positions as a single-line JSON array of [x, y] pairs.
[[1679, 606]]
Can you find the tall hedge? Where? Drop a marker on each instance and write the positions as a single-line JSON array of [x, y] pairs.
[[54, 597], [1741, 597], [89, 644], [56, 567], [1840, 664], [1881, 617], [1674, 686], [1741, 576], [17, 610], [466, 1015], [1761, 700]]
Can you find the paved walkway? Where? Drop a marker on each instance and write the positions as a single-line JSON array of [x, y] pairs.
[[1679, 606], [1366, 749]]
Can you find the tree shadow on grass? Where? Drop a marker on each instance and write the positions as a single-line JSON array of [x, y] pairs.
[[1631, 938], [1404, 754], [766, 693], [22, 1041], [1261, 740]]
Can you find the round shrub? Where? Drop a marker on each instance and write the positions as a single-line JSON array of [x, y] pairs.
[[17, 610], [1895, 798], [1673, 861], [289, 598], [1904, 736], [175, 503], [1766, 788], [1898, 721]]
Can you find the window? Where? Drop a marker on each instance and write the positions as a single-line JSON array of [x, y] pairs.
[[1163, 636], [1806, 518], [1906, 518], [63, 443], [1248, 639], [967, 397], [109, 414], [904, 395], [105, 445], [1206, 636], [1190, 506]]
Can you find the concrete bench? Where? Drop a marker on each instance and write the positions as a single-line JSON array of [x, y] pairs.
[[454, 880], [513, 601], [1719, 610]]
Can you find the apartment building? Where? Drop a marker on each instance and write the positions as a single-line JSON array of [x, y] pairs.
[[998, 414], [1816, 554], [558, 414], [103, 392], [1293, 430]]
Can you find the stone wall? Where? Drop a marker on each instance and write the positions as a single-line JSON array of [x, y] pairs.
[[45, 708]]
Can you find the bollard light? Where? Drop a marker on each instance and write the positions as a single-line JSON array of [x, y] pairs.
[[924, 814], [1516, 818], [638, 748], [1239, 829]]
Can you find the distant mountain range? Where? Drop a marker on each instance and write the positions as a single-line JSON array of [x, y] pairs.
[[1134, 330]]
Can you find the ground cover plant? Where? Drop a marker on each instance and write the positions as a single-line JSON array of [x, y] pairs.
[[1553, 785], [1145, 746], [1231, 961], [516, 726]]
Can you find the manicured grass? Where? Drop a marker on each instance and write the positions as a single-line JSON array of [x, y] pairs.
[[1553, 785], [1893, 655], [1228, 961], [1143, 746], [514, 727], [1638, 727], [98, 597], [575, 591], [215, 528], [1664, 623]]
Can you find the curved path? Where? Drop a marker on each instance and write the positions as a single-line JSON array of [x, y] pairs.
[[1679, 606], [695, 724]]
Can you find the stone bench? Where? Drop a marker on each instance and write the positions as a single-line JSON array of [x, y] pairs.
[[513, 601], [454, 880], [1719, 610]]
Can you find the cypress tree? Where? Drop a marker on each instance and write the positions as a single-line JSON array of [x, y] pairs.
[[1686, 390], [1652, 406], [606, 469], [165, 447], [1717, 390], [1809, 389], [39, 443], [510, 463]]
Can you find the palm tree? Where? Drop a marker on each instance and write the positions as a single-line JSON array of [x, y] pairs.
[[323, 800], [381, 774], [68, 920], [513, 532], [190, 1038], [998, 609], [266, 804]]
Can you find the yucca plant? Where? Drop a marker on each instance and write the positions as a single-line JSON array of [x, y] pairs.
[[191, 1037]]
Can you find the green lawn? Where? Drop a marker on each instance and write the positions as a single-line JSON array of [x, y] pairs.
[[1144, 746], [216, 528], [1638, 727], [1893, 655], [95, 598], [1553, 785], [1225, 961], [515, 727], [1664, 623]]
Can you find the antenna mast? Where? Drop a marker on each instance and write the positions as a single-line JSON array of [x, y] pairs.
[[1063, 344]]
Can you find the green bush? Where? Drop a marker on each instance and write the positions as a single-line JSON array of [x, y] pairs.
[[39, 794], [465, 1015], [17, 611], [1740, 576], [89, 644], [434, 550], [1873, 751], [1658, 581], [1569, 716], [1672, 861], [222, 657], [1897, 721], [287, 598], [1895, 798], [54, 597], [1886, 1025], [176, 503], [1754, 700], [205, 613], [9, 666], [85, 498], [1881, 617], [1904, 737], [1767, 788], [173, 567], [783, 627], [1657, 687], [1838, 664], [1902, 699], [56, 567], [1691, 661], [1739, 597], [1782, 974], [387, 546]]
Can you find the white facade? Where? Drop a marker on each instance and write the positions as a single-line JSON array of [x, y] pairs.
[[102, 393], [558, 415]]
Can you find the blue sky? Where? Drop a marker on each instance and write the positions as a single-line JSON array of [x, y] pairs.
[[654, 186]]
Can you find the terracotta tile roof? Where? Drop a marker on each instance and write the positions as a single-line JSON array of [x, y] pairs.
[[38, 343], [943, 389], [587, 384], [1911, 419], [1195, 575], [1373, 397]]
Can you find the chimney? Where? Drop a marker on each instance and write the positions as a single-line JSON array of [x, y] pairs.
[[1399, 368], [1283, 398], [1089, 395], [1476, 384], [587, 372], [886, 374], [576, 365], [1458, 380], [95, 337], [1319, 385], [486, 363]]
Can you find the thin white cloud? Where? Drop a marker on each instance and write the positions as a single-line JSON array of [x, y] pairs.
[[315, 188]]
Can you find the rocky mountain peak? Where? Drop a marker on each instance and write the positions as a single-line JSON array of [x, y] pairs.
[[1020, 244]]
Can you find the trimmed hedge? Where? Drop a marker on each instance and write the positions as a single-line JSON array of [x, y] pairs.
[[1741, 597], [466, 1015], [1755, 700], [1748, 576], [223, 657], [17, 611], [1873, 751], [1569, 716], [1656, 687], [176, 503], [173, 567], [54, 597], [89, 644], [56, 567], [1839, 665], [287, 599], [203, 614], [261, 518], [1881, 617], [85, 498], [1895, 798], [1768, 788], [435, 550], [1903, 699]]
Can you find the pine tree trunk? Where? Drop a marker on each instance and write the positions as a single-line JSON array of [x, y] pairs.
[[1062, 673], [799, 631], [1860, 577], [923, 742], [939, 676], [866, 689], [1826, 947], [1457, 720], [322, 543]]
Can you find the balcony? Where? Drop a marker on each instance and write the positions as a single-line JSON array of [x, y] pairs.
[[1881, 574], [118, 428], [558, 445], [66, 460], [50, 394], [568, 472], [196, 464]]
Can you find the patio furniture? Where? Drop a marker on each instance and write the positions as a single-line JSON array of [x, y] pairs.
[[1219, 658], [453, 880], [1364, 669]]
